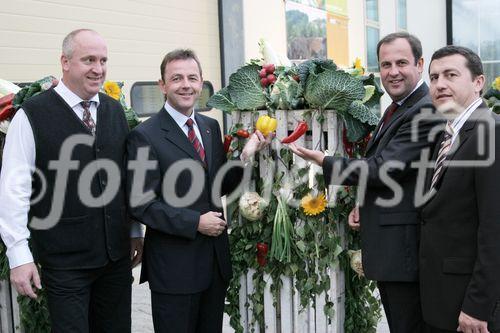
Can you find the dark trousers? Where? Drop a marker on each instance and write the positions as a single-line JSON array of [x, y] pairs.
[[90, 300], [191, 313], [401, 301]]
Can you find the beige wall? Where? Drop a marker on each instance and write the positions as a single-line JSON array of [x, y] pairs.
[[138, 33], [264, 19]]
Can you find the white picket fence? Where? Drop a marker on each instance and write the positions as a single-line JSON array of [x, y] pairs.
[[292, 318], [9, 309]]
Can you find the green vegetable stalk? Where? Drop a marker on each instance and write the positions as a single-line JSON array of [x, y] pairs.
[[281, 243]]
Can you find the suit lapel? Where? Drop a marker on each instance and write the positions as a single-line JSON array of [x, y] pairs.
[[206, 135], [408, 104], [175, 135], [464, 134]]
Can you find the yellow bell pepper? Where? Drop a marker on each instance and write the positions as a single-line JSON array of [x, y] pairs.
[[266, 125]]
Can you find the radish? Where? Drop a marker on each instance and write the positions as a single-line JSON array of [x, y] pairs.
[[264, 82], [262, 73], [271, 78], [270, 68]]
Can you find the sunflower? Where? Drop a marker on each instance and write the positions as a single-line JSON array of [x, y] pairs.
[[313, 205], [112, 89], [496, 83]]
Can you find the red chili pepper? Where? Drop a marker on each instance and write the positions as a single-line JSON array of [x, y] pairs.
[[227, 142], [348, 146], [6, 100], [242, 133], [6, 112], [262, 250], [299, 130]]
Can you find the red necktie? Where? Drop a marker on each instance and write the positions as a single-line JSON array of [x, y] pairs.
[[87, 117], [388, 115], [194, 140]]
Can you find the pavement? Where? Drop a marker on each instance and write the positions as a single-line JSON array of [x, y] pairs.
[[141, 310]]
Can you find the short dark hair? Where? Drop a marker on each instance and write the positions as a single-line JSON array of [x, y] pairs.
[[415, 44], [178, 54], [472, 60]]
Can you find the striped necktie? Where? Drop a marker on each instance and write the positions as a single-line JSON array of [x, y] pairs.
[[443, 151], [194, 140], [87, 117]]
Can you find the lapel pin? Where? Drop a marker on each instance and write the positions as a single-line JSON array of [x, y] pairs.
[[208, 131]]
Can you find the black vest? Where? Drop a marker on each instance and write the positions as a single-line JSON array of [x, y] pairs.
[[83, 237]]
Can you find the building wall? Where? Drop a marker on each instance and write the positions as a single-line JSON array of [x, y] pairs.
[[264, 19], [139, 33]]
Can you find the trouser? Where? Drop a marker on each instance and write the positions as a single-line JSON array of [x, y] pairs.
[[191, 313], [90, 300], [401, 301]]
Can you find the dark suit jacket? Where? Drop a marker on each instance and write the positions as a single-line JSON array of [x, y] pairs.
[[460, 239], [177, 259], [389, 235]]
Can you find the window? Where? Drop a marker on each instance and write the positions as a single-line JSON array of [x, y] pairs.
[[372, 34], [401, 15], [474, 25], [147, 99]]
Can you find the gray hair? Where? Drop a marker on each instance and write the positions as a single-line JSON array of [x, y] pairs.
[[68, 45]]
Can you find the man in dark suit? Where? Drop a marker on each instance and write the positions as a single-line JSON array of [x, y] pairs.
[[186, 250], [389, 233], [460, 233]]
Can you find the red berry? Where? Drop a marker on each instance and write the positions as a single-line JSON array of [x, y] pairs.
[[262, 73], [264, 82]]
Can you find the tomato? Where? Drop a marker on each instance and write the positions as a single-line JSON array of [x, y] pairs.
[[242, 133]]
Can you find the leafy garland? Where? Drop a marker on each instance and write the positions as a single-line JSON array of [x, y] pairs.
[[34, 314]]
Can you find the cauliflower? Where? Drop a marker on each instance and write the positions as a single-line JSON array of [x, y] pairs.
[[252, 206], [356, 263]]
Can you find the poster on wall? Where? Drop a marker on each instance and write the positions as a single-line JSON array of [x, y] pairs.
[[306, 30], [317, 29]]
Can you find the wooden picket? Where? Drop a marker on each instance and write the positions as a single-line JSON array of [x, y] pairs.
[[9, 309], [292, 318]]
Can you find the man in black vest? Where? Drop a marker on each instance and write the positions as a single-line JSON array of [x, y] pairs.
[[389, 231], [186, 249], [80, 232]]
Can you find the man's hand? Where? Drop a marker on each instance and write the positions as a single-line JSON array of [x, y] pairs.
[[24, 277], [211, 224], [354, 219], [136, 247], [468, 324], [315, 156], [256, 143]]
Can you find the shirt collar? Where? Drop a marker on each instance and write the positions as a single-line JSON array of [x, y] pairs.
[[178, 117], [70, 97], [401, 101], [460, 120]]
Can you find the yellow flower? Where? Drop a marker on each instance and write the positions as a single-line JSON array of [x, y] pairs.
[[496, 83], [112, 89], [357, 64], [313, 205]]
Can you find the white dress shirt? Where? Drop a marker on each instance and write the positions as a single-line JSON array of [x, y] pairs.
[[460, 120], [181, 119], [18, 165]]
